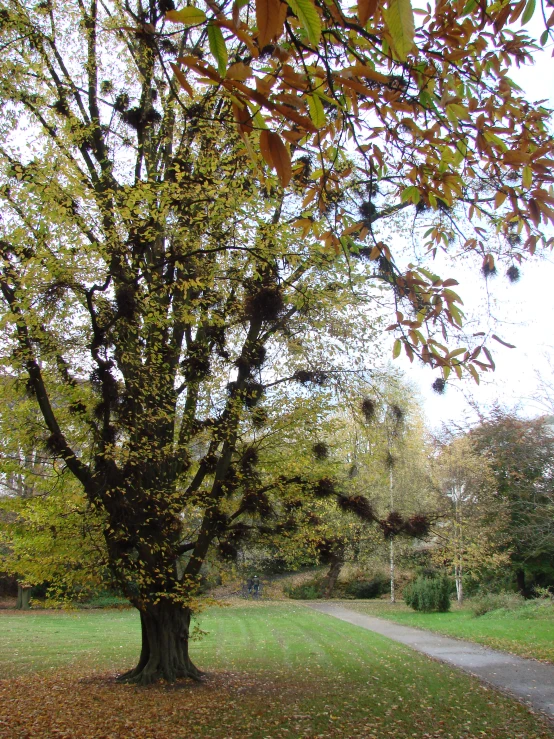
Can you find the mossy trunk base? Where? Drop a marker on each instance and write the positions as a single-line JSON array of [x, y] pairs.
[[165, 642], [23, 597]]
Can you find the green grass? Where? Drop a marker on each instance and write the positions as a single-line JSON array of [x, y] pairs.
[[528, 631], [298, 673]]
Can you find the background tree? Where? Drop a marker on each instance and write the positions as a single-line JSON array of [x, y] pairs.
[[149, 254], [48, 532], [470, 536], [520, 453]]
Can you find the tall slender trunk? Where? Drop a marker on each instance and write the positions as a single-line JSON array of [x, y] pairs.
[[459, 583], [165, 645], [392, 573], [459, 542]]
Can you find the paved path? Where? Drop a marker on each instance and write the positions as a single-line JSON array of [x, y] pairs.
[[528, 680]]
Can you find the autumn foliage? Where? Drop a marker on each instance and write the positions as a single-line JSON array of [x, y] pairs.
[[194, 239]]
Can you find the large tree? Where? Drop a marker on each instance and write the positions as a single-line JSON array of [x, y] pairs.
[[158, 278], [470, 538], [519, 452]]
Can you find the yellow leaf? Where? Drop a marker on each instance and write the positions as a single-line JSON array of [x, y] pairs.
[[189, 15], [396, 349], [317, 114], [527, 177], [499, 198], [399, 19]]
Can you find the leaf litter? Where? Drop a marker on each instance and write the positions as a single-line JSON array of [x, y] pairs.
[[226, 705]]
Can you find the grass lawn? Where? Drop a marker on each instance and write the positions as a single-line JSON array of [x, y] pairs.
[[528, 631], [275, 671]]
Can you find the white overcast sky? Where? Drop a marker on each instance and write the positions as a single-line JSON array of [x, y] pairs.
[[523, 312]]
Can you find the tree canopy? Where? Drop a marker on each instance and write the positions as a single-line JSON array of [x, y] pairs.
[[191, 242], [519, 453]]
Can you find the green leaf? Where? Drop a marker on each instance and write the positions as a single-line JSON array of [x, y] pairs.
[[527, 177], [544, 37], [474, 373], [430, 276], [306, 13], [457, 352], [456, 314], [317, 114], [469, 7], [396, 349], [399, 18], [189, 15], [411, 194], [528, 12], [218, 48]]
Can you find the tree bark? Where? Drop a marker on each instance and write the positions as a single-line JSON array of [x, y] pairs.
[[165, 646], [459, 583], [391, 552], [330, 579], [392, 572], [521, 584], [23, 597]]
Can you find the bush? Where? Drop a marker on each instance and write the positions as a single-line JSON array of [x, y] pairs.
[[106, 600], [310, 590], [429, 594], [365, 589], [487, 602]]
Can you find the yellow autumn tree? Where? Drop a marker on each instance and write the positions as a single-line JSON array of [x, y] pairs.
[[193, 200]]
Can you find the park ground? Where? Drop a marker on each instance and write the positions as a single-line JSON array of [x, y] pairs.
[[527, 631], [274, 671]]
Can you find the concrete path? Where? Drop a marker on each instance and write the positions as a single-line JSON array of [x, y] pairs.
[[526, 679]]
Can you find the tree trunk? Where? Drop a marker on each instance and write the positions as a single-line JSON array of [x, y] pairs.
[[392, 573], [165, 641], [391, 558], [459, 583], [330, 579], [23, 597], [521, 584]]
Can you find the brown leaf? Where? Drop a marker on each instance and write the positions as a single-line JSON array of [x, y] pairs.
[[239, 71], [269, 20], [182, 79], [501, 341], [281, 158], [243, 118], [366, 10], [489, 357]]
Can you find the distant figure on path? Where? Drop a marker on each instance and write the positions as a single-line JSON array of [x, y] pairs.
[[256, 586]]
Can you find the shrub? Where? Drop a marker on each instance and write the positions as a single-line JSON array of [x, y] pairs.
[[310, 590], [429, 594], [487, 602], [107, 600], [366, 589]]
